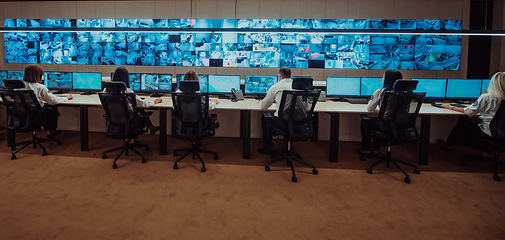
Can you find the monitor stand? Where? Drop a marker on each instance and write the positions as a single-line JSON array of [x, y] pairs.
[[223, 96], [87, 92], [156, 94]]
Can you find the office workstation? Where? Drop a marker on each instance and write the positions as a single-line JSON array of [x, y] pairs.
[[240, 44]]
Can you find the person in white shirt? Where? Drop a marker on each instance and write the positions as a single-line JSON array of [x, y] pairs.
[[122, 75], [273, 93], [486, 105], [388, 80], [33, 81]]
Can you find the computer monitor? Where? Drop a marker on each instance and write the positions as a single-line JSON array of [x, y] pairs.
[[463, 88], [135, 81], [61, 81], [203, 79], [156, 83], [17, 75], [434, 88], [3, 75], [223, 83], [485, 85], [370, 85], [87, 82], [255, 84], [343, 86]]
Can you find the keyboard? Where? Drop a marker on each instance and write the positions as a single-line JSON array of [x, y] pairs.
[[357, 100], [452, 104]]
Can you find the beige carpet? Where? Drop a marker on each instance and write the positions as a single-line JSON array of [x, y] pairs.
[[77, 195]]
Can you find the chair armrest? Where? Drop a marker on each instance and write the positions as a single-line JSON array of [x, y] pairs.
[[365, 117]]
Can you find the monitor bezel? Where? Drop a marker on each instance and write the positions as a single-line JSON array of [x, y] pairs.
[[208, 83], [461, 98], [257, 93], [153, 91], [56, 88], [342, 95], [83, 89]]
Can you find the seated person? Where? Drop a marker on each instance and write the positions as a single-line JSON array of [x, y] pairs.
[[274, 93], [33, 81], [486, 105], [388, 80], [121, 74], [192, 76]]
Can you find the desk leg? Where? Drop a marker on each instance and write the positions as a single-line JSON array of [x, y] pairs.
[[424, 145], [83, 120], [163, 131], [315, 125], [245, 132], [334, 136]]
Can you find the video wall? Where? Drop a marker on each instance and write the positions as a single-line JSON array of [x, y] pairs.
[[235, 49]]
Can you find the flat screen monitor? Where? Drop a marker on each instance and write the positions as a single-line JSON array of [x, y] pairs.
[[156, 82], [434, 88], [85, 81], [202, 78], [343, 86], [58, 80], [485, 85], [16, 75], [463, 88], [370, 85], [223, 83], [259, 84]]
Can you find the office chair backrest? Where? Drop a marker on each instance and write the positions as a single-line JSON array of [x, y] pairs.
[[115, 87], [23, 109], [192, 113], [189, 86], [295, 113], [398, 114], [120, 111], [497, 125], [11, 84]]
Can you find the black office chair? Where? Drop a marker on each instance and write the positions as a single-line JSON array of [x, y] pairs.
[[495, 144], [397, 122], [122, 119], [24, 115], [294, 122], [192, 120]]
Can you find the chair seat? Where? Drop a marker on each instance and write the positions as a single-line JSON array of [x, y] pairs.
[[488, 143]]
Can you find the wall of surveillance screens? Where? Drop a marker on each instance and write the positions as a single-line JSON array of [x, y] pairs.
[[266, 50]]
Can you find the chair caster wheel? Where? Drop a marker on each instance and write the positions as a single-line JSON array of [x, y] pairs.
[[147, 149], [175, 154], [58, 143], [416, 171], [114, 166], [44, 153], [216, 157], [294, 179], [369, 171], [314, 171], [204, 169], [13, 157], [267, 168], [176, 166], [104, 156], [497, 178], [362, 158], [144, 160], [407, 180]]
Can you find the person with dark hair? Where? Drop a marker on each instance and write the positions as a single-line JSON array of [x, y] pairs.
[[388, 80], [274, 93], [33, 81], [192, 76], [122, 75]]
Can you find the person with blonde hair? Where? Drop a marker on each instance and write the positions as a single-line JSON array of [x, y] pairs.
[[48, 101], [486, 105]]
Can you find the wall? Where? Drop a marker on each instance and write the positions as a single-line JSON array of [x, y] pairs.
[[209, 9]]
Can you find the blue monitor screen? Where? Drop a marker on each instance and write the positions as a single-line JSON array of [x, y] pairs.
[[259, 84], [369, 85], [3, 75], [156, 82], [463, 88], [58, 80], [342, 86], [223, 83], [86, 81], [203, 79], [135, 81], [16, 75], [485, 85], [434, 88]]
